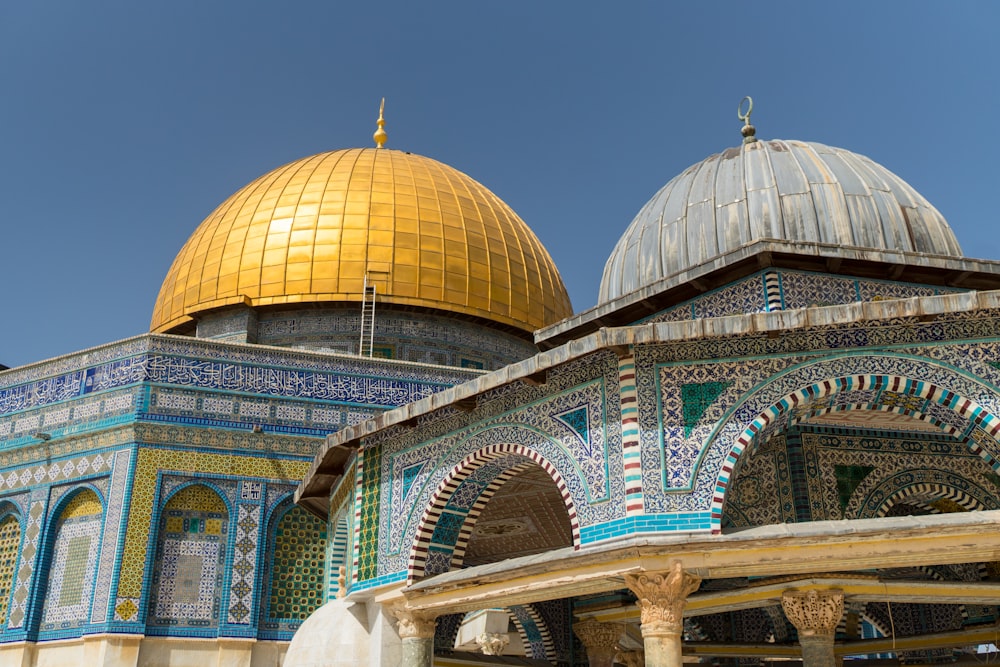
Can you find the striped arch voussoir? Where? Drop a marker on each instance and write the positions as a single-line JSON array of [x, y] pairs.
[[454, 479]]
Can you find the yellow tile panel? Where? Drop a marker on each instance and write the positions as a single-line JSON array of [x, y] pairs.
[[310, 230]]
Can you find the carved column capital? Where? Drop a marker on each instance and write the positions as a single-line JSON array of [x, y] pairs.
[[594, 634], [492, 643], [814, 613], [414, 624], [661, 598], [600, 640]]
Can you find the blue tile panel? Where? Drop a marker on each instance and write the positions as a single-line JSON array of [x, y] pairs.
[[653, 523]]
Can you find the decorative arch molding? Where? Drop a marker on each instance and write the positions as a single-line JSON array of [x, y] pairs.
[[922, 385], [534, 632], [400, 523], [8, 508], [337, 554], [69, 555], [917, 485], [223, 493], [191, 545], [462, 514]]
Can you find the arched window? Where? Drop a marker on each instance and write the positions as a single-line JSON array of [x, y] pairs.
[[73, 564], [10, 544], [295, 584], [190, 562]]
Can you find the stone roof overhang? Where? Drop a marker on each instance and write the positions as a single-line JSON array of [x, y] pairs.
[[331, 461], [726, 268], [808, 549]]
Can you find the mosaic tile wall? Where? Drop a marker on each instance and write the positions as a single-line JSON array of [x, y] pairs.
[[296, 577], [193, 364], [683, 440], [73, 564], [149, 463], [191, 559], [795, 289], [10, 546], [570, 422]]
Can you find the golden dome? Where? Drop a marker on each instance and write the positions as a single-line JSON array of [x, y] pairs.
[[425, 234]]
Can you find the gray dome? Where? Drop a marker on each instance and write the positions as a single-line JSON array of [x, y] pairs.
[[791, 191]]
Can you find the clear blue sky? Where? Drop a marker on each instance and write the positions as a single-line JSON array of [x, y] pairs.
[[122, 125]]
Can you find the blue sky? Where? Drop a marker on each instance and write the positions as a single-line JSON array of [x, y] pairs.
[[123, 124]]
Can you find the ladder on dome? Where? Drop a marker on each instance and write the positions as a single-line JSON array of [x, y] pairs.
[[367, 342]]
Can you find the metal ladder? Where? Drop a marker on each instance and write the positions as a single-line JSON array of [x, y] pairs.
[[367, 341]]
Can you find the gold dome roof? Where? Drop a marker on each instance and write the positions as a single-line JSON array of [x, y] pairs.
[[426, 234]]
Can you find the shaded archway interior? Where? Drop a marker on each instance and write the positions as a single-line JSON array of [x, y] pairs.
[[527, 515]]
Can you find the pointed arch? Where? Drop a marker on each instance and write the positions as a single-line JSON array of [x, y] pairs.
[[448, 520], [70, 562], [924, 388], [338, 545], [11, 535], [918, 486], [294, 571], [191, 539]]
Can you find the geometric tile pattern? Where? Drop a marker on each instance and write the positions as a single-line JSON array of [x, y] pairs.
[[74, 563], [367, 539], [119, 487], [29, 554], [54, 472], [631, 449], [187, 584], [244, 563], [296, 579], [10, 544]]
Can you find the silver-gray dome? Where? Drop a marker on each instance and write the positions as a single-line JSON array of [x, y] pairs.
[[783, 190]]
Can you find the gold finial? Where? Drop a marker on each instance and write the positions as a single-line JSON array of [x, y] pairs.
[[748, 130], [380, 135]]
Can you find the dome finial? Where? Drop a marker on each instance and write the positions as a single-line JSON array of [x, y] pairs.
[[380, 135], [748, 130]]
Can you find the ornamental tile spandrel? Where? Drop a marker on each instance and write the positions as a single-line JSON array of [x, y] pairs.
[[661, 598]]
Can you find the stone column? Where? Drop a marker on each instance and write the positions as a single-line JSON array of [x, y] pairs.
[[662, 596], [815, 614], [600, 640], [632, 658], [416, 629]]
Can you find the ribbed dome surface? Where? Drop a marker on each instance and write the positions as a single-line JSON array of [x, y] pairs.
[[308, 232], [782, 190]]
